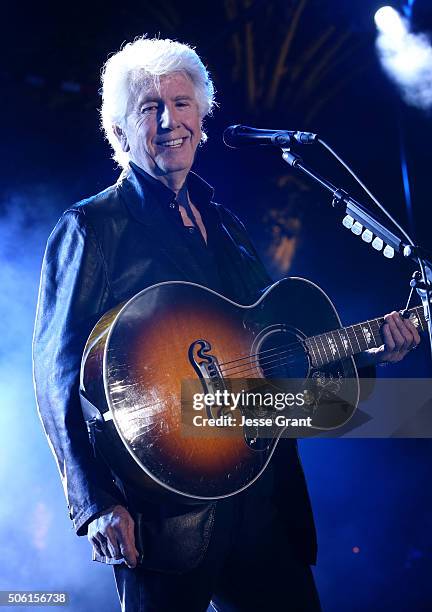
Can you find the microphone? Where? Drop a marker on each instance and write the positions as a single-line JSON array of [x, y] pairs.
[[241, 135]]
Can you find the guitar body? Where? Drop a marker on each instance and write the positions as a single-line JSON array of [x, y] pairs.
[[139, 352]]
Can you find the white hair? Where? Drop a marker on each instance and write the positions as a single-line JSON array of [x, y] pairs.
[[142, 63]]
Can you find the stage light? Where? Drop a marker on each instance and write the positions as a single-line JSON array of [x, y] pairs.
[[389, 22], [405, 56]]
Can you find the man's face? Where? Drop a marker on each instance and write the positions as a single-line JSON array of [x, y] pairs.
[[163, 128]]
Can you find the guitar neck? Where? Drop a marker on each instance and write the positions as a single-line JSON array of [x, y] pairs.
[[348, 341]]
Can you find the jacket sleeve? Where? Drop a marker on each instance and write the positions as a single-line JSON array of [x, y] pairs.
[[73, 294]]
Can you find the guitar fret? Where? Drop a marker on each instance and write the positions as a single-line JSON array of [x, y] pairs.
[[376, 334], [318, 360], [335, 339], [345, 341], [356, 337], [324, 349], [421, 317], [331, 344], [321, 352], [339, 343], [320, 349], [335, 342], [417, 315], [327, 338], [351, 344], [364, 334], [311, 351], [369, 334]]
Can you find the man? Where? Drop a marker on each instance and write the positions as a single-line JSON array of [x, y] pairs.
[[252, 551]]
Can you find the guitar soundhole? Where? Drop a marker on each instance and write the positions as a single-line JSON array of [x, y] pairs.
[[282, 355]]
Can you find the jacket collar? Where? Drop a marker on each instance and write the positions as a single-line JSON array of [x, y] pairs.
[[147, 199]]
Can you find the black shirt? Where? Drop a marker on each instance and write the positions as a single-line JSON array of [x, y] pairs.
[[205, 256]]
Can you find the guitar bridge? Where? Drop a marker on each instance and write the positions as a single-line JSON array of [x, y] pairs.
[[207, 368]]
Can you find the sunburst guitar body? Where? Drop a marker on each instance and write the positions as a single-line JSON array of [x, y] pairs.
[[139, 353]]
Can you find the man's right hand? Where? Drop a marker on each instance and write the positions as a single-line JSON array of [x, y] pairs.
[[112, 535]]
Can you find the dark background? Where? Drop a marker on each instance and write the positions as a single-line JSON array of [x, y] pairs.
[[370, 494]]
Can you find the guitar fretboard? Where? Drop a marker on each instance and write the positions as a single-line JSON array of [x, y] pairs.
[[347, 341]]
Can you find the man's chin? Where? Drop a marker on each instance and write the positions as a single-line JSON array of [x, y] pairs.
[[174, 168]]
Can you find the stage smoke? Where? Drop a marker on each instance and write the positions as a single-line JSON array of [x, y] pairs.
[[40, 550]]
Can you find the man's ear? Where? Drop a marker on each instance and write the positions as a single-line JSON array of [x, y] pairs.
[[122, 138]]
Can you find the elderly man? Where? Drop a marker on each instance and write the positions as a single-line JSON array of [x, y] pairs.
[[158, 222]]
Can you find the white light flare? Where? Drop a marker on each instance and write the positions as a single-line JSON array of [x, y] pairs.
[[406, 57], [390, 23]]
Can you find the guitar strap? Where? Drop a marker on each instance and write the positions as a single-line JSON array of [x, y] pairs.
[[89, 410], [93, 418], [95, 427]]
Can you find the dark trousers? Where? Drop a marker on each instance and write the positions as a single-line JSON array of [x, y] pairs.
[[247, 568]]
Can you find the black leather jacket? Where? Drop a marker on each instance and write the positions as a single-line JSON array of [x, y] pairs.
[[103, 251]]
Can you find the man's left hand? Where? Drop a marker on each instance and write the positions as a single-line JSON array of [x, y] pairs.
[[399, 335]]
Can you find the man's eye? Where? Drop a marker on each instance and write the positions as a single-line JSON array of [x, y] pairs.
[[147, 109], [182, 104]]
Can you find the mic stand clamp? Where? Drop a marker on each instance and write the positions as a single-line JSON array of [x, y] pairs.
[[362, 222]]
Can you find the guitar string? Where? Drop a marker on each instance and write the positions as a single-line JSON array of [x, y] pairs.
[[262, 362], [140, 408], [255, 357], [282, 362], [286, 351], [287, 354], [290, 357], [351, 335], [265, 351], [350, 331], [272, 367], [286, 360], [284, 354]]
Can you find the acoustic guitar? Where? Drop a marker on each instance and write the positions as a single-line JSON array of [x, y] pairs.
[[140, 352]]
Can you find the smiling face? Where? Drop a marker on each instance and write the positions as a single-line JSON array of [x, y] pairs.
[[163, 129]]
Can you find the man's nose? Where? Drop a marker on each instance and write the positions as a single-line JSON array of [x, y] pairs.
[[169, 119]]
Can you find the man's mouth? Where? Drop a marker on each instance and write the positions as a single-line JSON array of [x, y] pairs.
[[172, 143]]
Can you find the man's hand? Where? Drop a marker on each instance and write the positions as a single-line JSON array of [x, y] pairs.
[[399, 336], [112, 535]]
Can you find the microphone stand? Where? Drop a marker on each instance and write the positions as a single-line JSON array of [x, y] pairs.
[[359, 217]]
